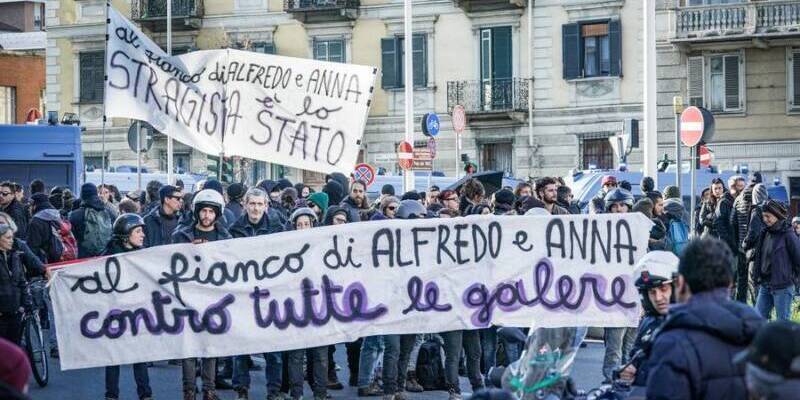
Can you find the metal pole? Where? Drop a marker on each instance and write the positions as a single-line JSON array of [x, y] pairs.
[[530, 85], [170, 160], [649, 106], [677, 105], [692, 201], [103, 134], [139, 155], [408, 69]]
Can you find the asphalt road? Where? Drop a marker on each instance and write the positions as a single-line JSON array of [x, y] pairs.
[[165, 381]]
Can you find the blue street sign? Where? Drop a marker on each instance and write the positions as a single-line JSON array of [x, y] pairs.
[[432, 124]]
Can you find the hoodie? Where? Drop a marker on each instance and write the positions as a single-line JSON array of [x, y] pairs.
[[341, 180], [335, 192], [692, 357], [40, 234], [333, 210], [755, 225]]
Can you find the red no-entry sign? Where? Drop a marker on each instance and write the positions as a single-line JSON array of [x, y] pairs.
[[405, 155], [693, 125]]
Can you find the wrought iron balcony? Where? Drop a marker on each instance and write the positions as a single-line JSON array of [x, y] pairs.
[[745, 20], [490, 5], [322, 10], [152, 14], [499, 97]]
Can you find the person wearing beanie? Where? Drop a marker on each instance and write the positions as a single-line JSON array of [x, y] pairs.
[[504, 202], [236, 192], [335, 192], [160, 223], [15, 371], [319, 203], [387, 190], [776, 265], [772, 362], [283, 184], [91, 241], [341, 179], [411, 195]]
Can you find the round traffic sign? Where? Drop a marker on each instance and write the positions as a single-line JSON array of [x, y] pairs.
[[364, 172], [432, 147], [432, 124], [146, 133], [697, 126], [405, 155], [459, 118], [706, 155]]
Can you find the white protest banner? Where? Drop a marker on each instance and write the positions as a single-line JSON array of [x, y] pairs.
[[331, 284], [297, 112]]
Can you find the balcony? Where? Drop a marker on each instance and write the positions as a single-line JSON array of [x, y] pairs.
[[755, 21], [490, 5], [152, 14], [322, 10], [490, 100]]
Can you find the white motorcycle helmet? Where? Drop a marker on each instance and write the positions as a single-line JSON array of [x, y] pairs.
[[208, 198]]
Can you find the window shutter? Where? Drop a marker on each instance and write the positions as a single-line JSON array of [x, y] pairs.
[[501, 53], [389, 78], [796, 79], [571, 50], [86, 77], [615, 47], [732, 89], [336, 51], [99, 76], [695, 81], [92, 76], [420, 50]]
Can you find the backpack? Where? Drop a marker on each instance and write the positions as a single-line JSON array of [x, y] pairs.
[[63, 241], [430, 366], [678, 236], [96, 233]]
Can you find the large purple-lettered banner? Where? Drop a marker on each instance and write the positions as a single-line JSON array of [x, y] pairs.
[[335, 284]]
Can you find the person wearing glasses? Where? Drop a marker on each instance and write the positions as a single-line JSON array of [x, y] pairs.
[[160, 223], [12, 207], [387, 208], [449, 199]]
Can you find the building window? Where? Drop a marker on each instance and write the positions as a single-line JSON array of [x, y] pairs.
[[38, 17], [591, 49], [598, 154], [712, 2], [393, 57], [329, 50], [180, 161], [497, 157], [8, 105], [793, 84], [716, 82], [94, 162], [92, 78]]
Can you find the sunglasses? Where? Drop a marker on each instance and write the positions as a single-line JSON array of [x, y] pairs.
[[391, 208], [451, 199], [5, 193], [179, 198]]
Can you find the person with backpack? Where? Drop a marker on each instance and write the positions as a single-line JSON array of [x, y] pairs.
[[207, 207], [91, 223], [44, 231], [677, 228], [128, 235]]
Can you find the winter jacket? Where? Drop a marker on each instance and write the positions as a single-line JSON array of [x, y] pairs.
[[235, 209], [740, 216], [20, 217], [32, 265], [722, 222], [78, 220], [705, 220], [644, 345], [12, 281], [40, 235], [692, 354], [784, 260], [352, 209], [115, 247], [185, 234], [328, 219], [269, 223], [154, 232], [754, 230]]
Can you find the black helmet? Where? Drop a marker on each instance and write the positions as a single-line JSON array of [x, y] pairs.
[[125, 223], [618, 196], [655, 269], [411, 209]]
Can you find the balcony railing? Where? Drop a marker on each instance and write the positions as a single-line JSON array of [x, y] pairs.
[[490, 5], [767, 18], [318, 5], [499, 95], [157, 9]]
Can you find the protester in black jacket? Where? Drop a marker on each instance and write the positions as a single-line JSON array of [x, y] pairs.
[[160, 223], [776, 266], [128, 236], [13, 260], [40, 232], [91, 203], [722, 220], [235, 193], [10, 206]]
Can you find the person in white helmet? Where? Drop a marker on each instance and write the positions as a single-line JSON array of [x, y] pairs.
[[207, 207]]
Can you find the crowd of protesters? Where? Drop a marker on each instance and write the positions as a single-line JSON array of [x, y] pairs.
[[746, 250]]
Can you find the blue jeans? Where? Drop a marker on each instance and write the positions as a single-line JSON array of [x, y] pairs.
[[488, 348], [395, 362], [273, 371], [370, 348], [780, 299], [139, 375]]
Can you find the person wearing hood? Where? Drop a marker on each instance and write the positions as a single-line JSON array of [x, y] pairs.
[[356, 202], [91, 222], [655, 273], [46, 220], [776, 266], [128, 235], [564, 200], [12, 207], [341, 179], [319, 203], [387, 208], [289, 199], [772, 362], [504, 202], [335, 192], [303, 191], [691, 357], [336, 215]]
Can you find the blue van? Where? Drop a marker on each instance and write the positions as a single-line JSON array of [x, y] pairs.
[[50, 153]]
